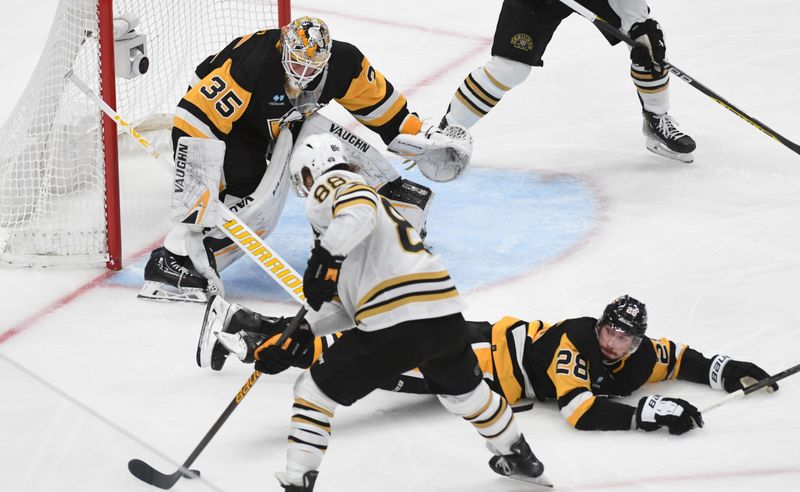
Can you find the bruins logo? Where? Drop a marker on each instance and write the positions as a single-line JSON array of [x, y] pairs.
[[522, 41]]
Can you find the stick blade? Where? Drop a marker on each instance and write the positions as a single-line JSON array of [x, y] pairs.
[[150, 475]]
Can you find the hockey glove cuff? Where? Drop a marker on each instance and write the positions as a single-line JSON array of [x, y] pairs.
[[651, 50], [321, 277], [677, 415], [733, 375], [272, 359]]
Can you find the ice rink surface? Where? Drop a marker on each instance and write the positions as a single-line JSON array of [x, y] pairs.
[[711, 247]]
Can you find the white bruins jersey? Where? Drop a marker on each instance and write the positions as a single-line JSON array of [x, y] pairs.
[[388, 276]]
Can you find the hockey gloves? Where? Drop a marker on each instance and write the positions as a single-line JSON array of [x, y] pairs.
[[733, 375], [677, 415], [295, 351], [321, 277], [651, 51]]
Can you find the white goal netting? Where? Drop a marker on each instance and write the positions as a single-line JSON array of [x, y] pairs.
[[52, 178]]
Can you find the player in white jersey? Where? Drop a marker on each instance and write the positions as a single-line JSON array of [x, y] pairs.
[[369, 270]]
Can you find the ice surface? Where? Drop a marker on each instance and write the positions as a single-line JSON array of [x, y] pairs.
[[711, 247]]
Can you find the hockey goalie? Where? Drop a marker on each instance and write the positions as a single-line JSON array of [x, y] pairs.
[[270, 84]]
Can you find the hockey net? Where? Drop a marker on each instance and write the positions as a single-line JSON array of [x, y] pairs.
[[56, 156]]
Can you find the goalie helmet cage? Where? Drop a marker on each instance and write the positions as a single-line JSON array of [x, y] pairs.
[[59, 185]]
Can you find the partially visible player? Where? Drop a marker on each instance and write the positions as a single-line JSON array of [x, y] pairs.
[[583, 363], [524, 30], [370, 271], [241, 96]]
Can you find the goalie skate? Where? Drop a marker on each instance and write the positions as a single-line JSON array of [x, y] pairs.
[[663, 138], [170, 277], [163, 292]]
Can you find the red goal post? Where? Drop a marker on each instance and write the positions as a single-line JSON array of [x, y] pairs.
[[59, 178]]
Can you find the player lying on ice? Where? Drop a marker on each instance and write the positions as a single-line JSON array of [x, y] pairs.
[[249, 91], [582, 362], [370, 272]]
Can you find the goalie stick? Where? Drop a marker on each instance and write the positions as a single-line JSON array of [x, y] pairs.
[[227, 221], [753, 387], [604, 26], [148, 474]]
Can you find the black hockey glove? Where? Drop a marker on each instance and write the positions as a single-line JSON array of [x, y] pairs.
[[677, 415], [736, 374], [295, 351], [321, 277], [653, 51]]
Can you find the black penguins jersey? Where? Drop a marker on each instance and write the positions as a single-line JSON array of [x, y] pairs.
[[523, 359], [240, 90]]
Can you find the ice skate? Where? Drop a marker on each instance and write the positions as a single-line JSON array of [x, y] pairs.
[[173, 278], [664, 138], [229, 319], [309, 478], [217, 319], [521, 464]]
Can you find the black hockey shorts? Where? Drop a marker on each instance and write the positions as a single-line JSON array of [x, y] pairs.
[[525, 27], [362, 361]]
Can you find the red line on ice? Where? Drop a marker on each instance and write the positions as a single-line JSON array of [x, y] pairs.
[[59, 303]]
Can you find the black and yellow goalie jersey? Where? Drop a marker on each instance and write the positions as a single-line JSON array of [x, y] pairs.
[[239, 94], [523, 359]]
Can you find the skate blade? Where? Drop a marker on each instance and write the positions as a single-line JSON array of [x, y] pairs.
[[659, 148], [160, 292], [541, 480]]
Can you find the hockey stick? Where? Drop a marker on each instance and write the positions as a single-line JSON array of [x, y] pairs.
[[147, 473], [608, 28], [228, 222], [753, 387]]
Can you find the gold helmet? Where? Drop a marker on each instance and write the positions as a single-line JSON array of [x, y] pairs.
[[306, 48]]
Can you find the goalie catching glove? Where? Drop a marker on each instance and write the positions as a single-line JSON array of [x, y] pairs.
[[262, 349], [440, 154], [657, 411]]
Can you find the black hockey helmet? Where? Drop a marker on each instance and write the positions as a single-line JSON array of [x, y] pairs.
[[626, 314]]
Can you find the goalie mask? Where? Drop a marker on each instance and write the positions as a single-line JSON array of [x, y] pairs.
[[621, 328], [312, 157], [305, 48]]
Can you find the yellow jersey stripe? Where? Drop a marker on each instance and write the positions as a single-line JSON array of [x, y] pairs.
[[381, 117], [188, 129], [504, 361], [584, 402], [352, 202], [440, 275], [421, 297], [363, 92]]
